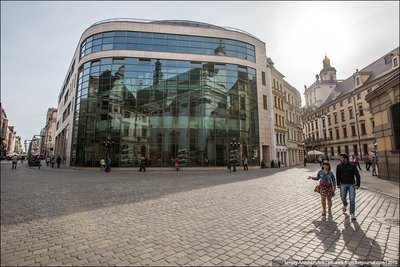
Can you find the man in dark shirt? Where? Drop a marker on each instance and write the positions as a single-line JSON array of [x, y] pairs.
[[345, 176]]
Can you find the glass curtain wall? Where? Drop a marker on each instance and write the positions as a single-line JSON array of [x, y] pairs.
[[128, 40], [160, 109]]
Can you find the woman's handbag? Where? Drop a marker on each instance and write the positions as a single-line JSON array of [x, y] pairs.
[[317, 189]]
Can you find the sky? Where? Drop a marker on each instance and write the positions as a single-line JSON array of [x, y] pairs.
[[39, 38]]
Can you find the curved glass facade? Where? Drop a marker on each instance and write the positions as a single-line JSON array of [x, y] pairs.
[[161, 42], [159, 109]]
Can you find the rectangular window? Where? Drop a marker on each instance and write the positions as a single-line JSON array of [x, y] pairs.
[[330, 134], [355, 150], [353, 130], [263, 78], [360, 111], [329, 119], [365, 149], [344, 132], [363, 130], [337, 133], [346, 149], [338, 150], [335, 117], [265, 103], [342, 115], [351, 114], [332, 151]]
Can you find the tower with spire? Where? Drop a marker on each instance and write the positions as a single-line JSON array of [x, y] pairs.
[[323, 86]]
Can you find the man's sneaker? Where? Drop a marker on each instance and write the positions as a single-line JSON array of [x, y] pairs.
[[344, 208], [353, 217]]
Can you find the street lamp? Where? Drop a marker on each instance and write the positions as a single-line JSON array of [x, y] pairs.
[[107, 143], [234, 155]]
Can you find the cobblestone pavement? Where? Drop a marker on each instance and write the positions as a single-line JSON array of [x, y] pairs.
[[192, 218]]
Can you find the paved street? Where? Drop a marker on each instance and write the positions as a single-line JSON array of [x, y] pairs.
[[213, 218]]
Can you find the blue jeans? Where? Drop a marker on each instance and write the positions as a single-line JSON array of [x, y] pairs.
[[348, 188]]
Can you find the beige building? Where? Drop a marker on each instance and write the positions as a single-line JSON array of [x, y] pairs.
[[288, 144], [295, 140], [337, 118], [49, 132], [384, 103], [278, 96]]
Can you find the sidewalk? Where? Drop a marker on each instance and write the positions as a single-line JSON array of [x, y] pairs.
[[368, 182], [372, 183]]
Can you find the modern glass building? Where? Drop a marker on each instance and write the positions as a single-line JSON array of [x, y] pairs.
[[162, 89]]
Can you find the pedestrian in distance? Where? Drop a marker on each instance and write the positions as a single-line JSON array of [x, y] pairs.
[[245, 164], [47, 160], [102, 164], [327, 186], [177, 164], [367, 161], [14, 160], [39, 162], [348, 180], [373, 165], [358, 162], [53, 161], [320, 161], [354, 161], [108, 163], [142, 164], [58, 161]]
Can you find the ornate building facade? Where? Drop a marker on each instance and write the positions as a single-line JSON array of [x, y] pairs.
[[278, 95], [384, 104], [337, 118], [294, 125]]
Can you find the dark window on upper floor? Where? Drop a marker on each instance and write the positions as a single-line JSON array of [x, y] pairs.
[[351, 114], [263, 78], [265, 102], [360, 110], [363, 129], [353, 130]]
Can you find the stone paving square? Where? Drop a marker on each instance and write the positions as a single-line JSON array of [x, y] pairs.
[[211, 217]]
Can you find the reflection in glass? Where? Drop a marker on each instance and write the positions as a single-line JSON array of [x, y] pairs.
[[190, 109], [168, 43]]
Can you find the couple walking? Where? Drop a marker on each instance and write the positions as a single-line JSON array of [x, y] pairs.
[[347, 179]]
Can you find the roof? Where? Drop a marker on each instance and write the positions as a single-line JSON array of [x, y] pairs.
[[184, 23], [376, 70]]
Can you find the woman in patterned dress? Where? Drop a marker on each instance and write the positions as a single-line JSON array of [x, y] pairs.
[[327, 184]]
